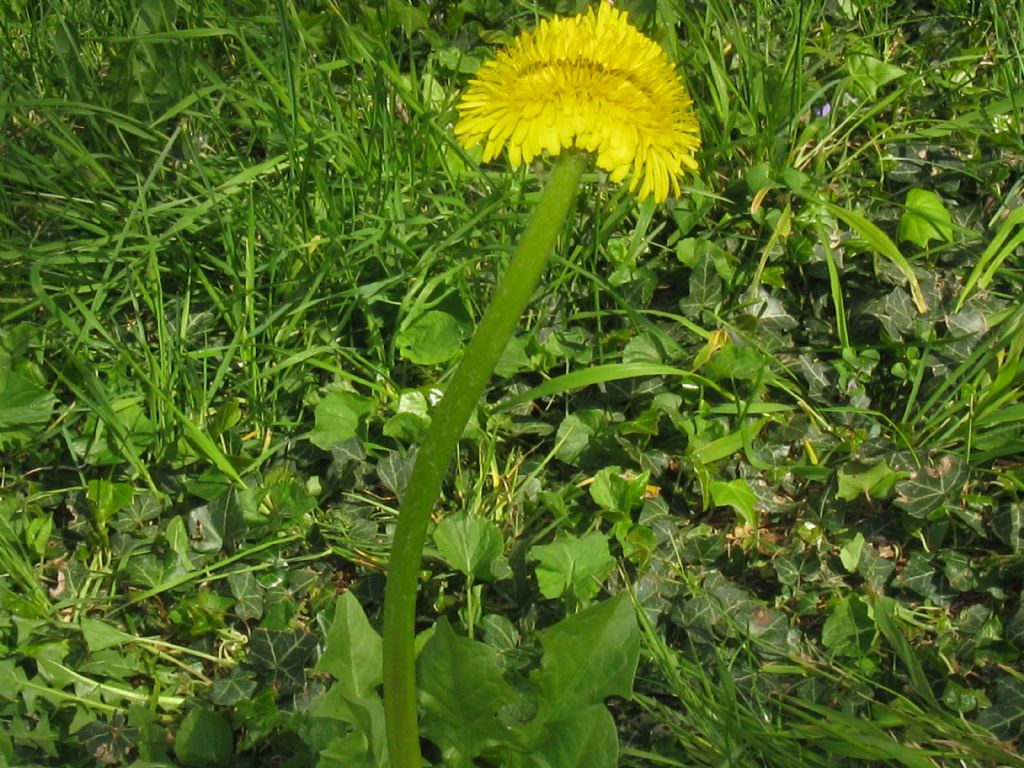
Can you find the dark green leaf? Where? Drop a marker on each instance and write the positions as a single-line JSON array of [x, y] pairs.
[[1006, 717], [218, 525], [204, 738], [228, 691], [928, 489], [248, 595], [285, 653], [922, 576]]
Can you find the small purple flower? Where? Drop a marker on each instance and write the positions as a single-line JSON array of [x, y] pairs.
[[824, 110]]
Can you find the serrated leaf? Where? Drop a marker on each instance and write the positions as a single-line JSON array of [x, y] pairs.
[[469, 544], [573, 566], [924, 219], [462, 690], [366, 745], [588, 657]]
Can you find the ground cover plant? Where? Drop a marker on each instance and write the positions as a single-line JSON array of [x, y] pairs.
[[747, 483]]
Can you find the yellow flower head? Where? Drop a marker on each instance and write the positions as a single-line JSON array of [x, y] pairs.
[[593, 82]]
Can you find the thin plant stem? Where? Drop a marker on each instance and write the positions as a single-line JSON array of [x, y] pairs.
[[434, 455]]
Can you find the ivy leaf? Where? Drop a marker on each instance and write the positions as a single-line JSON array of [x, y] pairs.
[[1006, 718], [204, 738], [284, 652], [228, 691], [920, 575], [573, 566], [924, 219], [248, 595], [873, 482], [738, 495], [926, 490]]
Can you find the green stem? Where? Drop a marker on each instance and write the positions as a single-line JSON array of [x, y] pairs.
[[434, 455]]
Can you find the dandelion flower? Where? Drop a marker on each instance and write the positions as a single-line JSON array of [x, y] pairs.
[[593, 82]]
